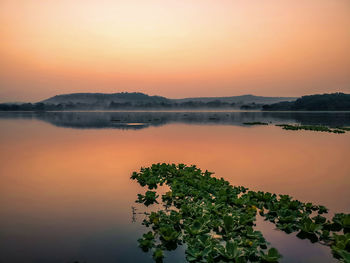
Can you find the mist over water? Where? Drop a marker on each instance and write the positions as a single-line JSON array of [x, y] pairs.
[[66, 193]]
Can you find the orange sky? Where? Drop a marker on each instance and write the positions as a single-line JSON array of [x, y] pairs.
[[173, 48]]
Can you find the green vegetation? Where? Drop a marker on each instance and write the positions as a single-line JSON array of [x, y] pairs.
[[312, 128], [319, 102], [344, 128], [255, 123], [216, 220]]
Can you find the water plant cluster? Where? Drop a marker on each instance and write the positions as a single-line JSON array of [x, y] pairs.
[[296, 127], [255, 123], [216, 221], [313, 128], [344, 128]]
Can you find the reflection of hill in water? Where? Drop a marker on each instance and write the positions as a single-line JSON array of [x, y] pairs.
[[139, 120]]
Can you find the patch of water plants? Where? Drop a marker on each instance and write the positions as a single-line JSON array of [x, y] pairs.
[[344, 128], [255, 123], [215, 221], [295, 127]]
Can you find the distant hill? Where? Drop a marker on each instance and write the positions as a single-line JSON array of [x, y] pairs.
[[243, 99], [104, 99], [319, 102], [137, 97], [141, 101]]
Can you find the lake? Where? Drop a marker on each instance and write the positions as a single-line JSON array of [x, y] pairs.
[[66, 193]]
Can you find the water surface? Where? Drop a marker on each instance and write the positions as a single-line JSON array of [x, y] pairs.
[[65, 192]]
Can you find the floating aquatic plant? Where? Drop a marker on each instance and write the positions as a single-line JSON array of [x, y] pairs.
[[344, 128], [216, 221], [312, 128], [148, 199], [255, 123]]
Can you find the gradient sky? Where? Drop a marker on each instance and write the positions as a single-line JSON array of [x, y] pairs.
[[177, 49]]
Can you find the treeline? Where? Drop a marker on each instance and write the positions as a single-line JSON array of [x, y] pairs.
[[324, 102], [321, 102], [126, 105]]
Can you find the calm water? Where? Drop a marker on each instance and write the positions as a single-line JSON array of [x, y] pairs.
[[65, 192]]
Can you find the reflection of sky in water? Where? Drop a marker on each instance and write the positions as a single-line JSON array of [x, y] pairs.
[[66, 193], [292, 248]]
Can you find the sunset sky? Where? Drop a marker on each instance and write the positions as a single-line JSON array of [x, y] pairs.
[[181, 48]]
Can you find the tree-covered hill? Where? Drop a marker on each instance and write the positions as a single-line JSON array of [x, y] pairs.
[[104, 98], [319, 102]]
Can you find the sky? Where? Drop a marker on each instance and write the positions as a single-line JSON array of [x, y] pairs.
[[182, 48]]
